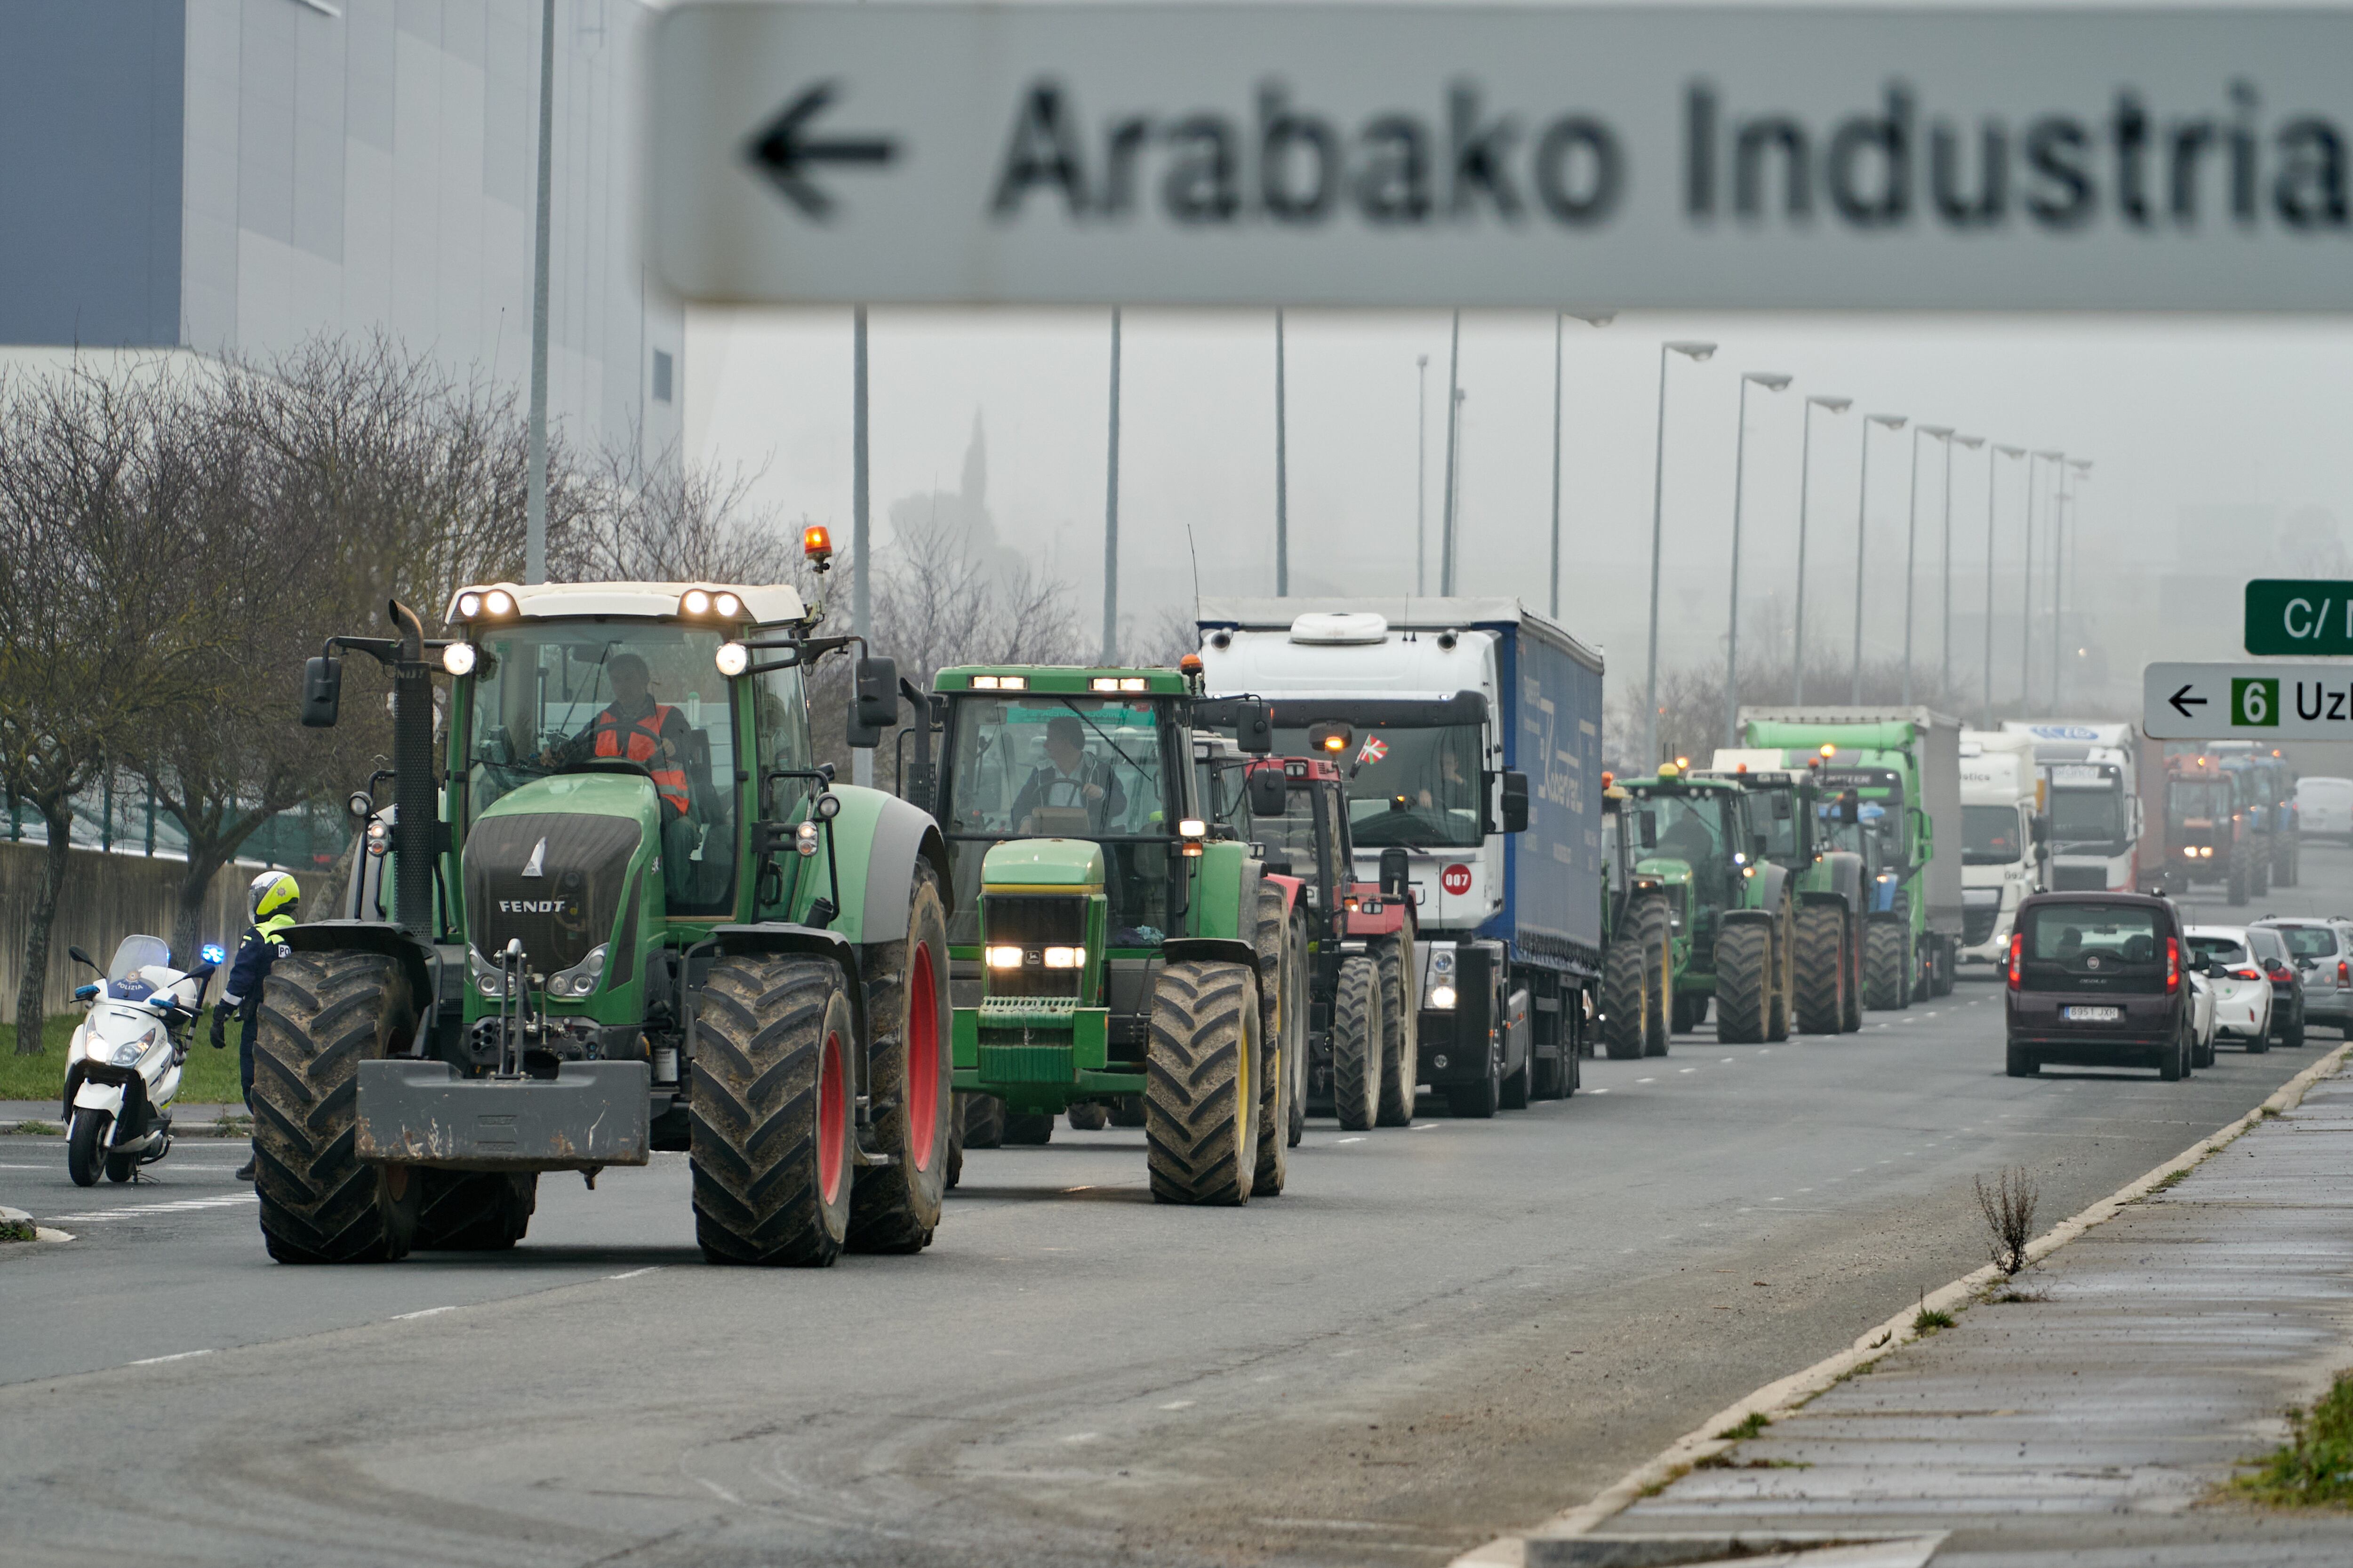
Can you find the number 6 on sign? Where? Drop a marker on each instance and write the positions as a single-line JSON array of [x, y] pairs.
[[2255, 702]]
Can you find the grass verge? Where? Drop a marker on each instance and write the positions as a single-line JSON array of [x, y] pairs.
[[209, 1078], [2315, 1468]]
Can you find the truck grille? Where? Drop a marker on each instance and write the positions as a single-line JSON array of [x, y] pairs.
[[2079, 879], [1977, 925]]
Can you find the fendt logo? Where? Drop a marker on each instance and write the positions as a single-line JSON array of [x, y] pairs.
[[534, 906]]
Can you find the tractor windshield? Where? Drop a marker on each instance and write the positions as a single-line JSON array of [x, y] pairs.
[[1411, 784], [1690, 828], [549, 696], [1067, 767]]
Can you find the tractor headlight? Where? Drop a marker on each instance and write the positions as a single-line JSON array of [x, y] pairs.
[[458, 658], [727, 605], [733, 658], [1065, 957], [379, 837], [498, 602], [470, 605], [805, 838], [1442, 997], [1004, 957], [695, 602]]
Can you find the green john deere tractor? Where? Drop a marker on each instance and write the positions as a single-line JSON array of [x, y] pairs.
[[1638, 958], [1730, 908], [635, 915], [1106, 944], [1807, 828]]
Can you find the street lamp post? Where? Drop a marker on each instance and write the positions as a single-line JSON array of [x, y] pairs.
[[1912, 534], [1281, 475], [1591, 319], [1862, 530], [2080, 467], [1421, 469], [534, 525], [1697, 352], [1805, 472], [1945, 669], [1453, 399], [1996, 450], [1771, 381], [1110, 510], [2026, 609]]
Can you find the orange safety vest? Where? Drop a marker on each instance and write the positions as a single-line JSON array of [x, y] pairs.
[[642, 738]]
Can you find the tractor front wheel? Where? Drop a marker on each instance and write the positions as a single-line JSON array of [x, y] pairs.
[[773, 1141], [1625, 998], [1744, 962], [1356, 1046], [895, 1207], [1201, 1082], [1886, 965], [1821, 970], [1401, 1030], [322, 1014]]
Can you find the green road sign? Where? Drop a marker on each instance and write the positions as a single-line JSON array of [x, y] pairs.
[[2255, 703], [2289, 616]]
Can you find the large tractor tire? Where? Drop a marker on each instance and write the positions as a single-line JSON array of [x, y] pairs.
[[1822, 969], [322, 1015], [474, 1211], [1401, 1026], [1886, 965], [1200, 1083], [2259, 875], [1744, 982], [983, 1120], [1652, 920], [1127, 1110], [1029, 1129], [1088, 1116], [773, 1141], [1784, 1019], [1295, 1045], [2235, 885], [1356, 1046], [1625, 998], [1853, 926], [895, 1207], [955, 1143], [1281, 1050]]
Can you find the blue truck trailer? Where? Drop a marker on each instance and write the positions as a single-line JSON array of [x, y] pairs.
[[1471, 733]]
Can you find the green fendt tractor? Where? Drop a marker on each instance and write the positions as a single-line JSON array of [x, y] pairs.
[[1731, 914], [1802, 822], [634, 915], [1106, 944], [1637, 960]]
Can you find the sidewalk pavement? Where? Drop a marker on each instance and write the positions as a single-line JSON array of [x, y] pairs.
[[188, 1121], [2089, 1411]]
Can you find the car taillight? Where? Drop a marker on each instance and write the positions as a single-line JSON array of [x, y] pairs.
[[2017, 956], [2343, 978], [2172, 966], [2247, 974]]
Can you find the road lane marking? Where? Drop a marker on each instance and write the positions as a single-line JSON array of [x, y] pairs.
[[1358, 1139], [1178, 1405], [632, 1274], [1646, 1081], [185, 1206], [179, 1355], [1596, 1091], [1686, 1069], [421, 1312], [1422, 1126]]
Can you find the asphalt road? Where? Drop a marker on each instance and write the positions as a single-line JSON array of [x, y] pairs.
[[1438, 1334]]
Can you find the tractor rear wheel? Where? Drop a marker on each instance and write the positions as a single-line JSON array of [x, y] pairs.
[[1652, 920], [322, 1014], [1029, 1129], [474, 1211], [1276, 964], [1400, 1027], [1887, 965], [1201, 1081], [1356, 1046], [1821, 968], [983, 1120], [1744, 961], [1782, 1015], [1294, 1044], [895, 1207], [1853, 1016], [1625, 998], [773, 1141]]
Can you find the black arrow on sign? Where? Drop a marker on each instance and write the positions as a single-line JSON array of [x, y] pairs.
[[2183, 702], [781, 151]]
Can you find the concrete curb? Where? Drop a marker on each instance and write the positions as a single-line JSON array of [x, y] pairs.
[[40, 1232], [1780, 1397]]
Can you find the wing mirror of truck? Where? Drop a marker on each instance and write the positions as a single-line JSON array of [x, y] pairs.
[[1268, 790], [1395, 867], [1516, 801], [323, 692], [1646, 828], [2041, 826], [874, 702], [1782, 807]]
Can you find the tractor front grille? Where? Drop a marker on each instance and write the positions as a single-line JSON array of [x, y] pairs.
[[1033, 922]]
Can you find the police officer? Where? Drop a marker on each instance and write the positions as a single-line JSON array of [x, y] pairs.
[[273, 902]]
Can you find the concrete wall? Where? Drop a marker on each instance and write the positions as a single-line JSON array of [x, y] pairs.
[[105, 899], [91, 179]]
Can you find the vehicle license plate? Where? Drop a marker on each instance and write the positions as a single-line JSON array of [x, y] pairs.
[[2093, 1015]]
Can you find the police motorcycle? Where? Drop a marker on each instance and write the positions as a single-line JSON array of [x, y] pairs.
[[122, 1069]]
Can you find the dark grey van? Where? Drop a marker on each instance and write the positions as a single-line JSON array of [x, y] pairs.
[[2096, 980]]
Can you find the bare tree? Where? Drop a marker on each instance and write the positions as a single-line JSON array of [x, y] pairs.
[[671, 521]]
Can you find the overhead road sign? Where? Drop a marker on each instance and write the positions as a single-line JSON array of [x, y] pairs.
[[2250, 701], [2297, 618], [1371, 154]]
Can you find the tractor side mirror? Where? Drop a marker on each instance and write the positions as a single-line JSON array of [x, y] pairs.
[[323, 692], [1782, 809], [1850, 808], [1516, 801], [1646, 828], [1254, 731], [1268, 790], [874, 702], [1395, 882]]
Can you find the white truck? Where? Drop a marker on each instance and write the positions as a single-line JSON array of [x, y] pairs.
[[2001, 842], [2093, 772], [1470, 732]]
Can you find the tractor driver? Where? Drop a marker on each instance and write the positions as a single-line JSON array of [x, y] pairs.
[[1071, 777], [636, 727]]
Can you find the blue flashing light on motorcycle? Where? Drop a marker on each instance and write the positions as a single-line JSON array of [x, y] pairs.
[[213, 952]]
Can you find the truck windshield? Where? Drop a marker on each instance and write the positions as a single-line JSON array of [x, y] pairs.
[[1056, 767], [1416, 786], [550, 695], [1989, 835], [2087, 816]]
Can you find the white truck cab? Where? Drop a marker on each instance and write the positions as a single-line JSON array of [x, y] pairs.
[[2003, 831]]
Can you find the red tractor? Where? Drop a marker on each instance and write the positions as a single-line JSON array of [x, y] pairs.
[[1362, 993]]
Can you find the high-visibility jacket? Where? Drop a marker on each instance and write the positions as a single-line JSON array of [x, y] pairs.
[[639, 740]]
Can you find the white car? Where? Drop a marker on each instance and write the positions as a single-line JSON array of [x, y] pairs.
[[2324, 809], [2242, 992], [2201, 1020]]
